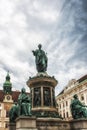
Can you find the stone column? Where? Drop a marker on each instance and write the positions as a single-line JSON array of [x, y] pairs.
[[42, 96]]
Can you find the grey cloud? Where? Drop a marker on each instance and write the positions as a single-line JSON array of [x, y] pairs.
[[84, 39], [5, 66], [64, 39], [11, 70], [80, 54], [33, 22], [84, 3]]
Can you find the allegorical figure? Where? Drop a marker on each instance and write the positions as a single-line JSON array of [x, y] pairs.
[[47, 100], [78, 110], [40, 59], [37, 97], [24, 102], [13, 113]]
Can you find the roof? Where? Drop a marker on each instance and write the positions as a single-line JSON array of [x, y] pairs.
[[82, 78], [61, 92], [79, 80], [14, 94], [1, 95]]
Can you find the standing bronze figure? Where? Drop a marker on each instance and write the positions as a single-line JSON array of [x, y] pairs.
[[40, 59]]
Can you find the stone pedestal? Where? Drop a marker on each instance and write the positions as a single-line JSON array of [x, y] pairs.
[[52, 124], [12, 126], [26, 123], [42, 89], [57, 124], [80, 124]]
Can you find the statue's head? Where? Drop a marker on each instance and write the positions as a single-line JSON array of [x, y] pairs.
[[23, 90], [39, 46], [75, 96]]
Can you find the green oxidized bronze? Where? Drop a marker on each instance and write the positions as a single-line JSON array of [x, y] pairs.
[[24, 102], [14, 111], [23, 108], [47, 99], [78, 110], [49, 114], [7, 86], [40, 59], [37, 97]]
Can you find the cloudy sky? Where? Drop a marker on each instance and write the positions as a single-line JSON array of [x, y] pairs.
[[59, 25]]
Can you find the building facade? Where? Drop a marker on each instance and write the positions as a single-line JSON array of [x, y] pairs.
[[7, 99], [78, 87]]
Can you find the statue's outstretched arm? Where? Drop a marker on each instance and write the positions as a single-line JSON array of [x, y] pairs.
[[33, 52]]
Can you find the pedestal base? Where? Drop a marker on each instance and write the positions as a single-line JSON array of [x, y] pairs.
[[12, 126], [31, 123], [26, 123], [80, 124], [52, 124]]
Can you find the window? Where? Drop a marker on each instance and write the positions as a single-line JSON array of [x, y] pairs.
[[66, 103], [67, 115], [60, 114], [59, 99], [63, 115], [7, 113], [0, 113], [6, 125], [0, 106], [82, 97], [57, 104], [63, 105], [60, 106]]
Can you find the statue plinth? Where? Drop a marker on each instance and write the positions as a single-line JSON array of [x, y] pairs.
[[42, 89], [12, 126], [26, 123], [42, 79]]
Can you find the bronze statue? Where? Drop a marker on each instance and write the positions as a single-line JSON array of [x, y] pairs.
[[24, 103], [13, 113], [47, 100], [37, 97], [78, 110], [40, 59]]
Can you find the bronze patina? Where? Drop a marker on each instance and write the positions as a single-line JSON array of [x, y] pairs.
[[24, 103], [78, 109], [40, 59], [22, 108]]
